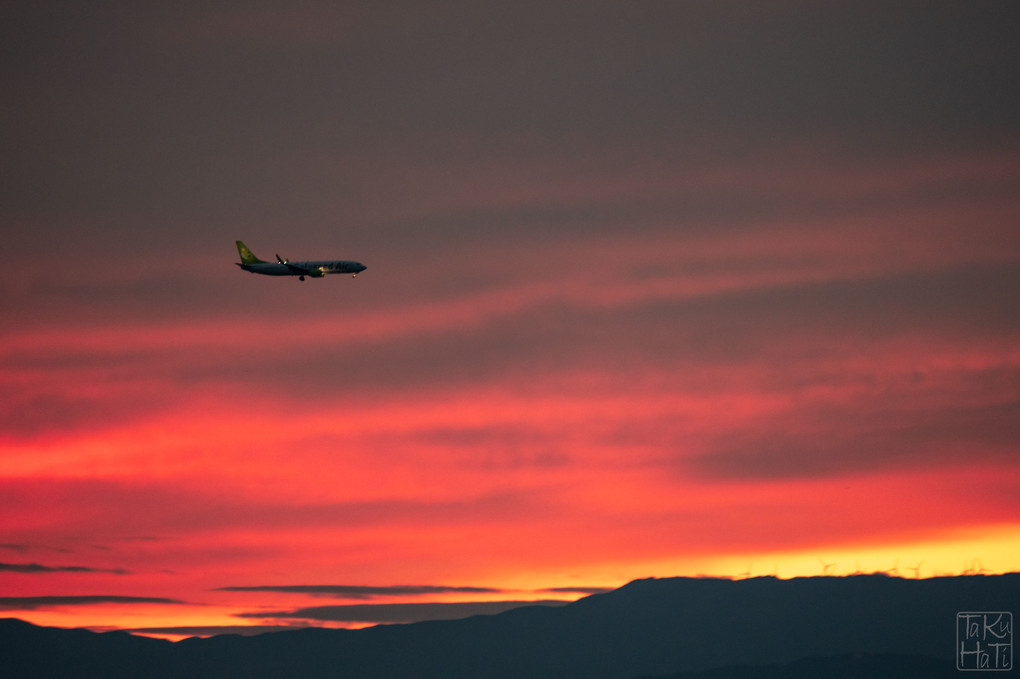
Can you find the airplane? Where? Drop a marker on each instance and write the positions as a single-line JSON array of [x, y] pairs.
[[284, 267]]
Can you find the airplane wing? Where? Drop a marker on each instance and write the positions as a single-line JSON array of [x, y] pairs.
[[293, 267], [300, 269]]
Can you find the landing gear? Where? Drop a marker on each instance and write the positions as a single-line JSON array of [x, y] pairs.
[[301, 278]]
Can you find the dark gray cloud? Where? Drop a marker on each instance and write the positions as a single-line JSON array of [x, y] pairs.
[[362, 591], [576, 590], [31, 603], [217, 630], [850, 439], [399, 613], [22, 548], [34, 568], [281, 112]]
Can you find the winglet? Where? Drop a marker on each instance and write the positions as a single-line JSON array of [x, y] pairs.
[[246, 256]]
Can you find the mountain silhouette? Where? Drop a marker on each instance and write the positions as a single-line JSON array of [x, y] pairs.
[[690, 628]]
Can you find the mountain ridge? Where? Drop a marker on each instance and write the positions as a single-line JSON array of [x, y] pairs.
[[651, 627]]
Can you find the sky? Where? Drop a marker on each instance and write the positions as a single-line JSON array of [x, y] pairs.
[[653, 289]]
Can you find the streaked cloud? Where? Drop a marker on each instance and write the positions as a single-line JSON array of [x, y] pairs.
[[363, 591], [31, 603], [576, 590], [22, 548], [399, 613], [215, 630], [33, 568]]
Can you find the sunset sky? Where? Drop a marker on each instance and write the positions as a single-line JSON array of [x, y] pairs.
[[653, 289]]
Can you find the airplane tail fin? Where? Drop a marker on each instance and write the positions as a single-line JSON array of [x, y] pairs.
[[246, 256]]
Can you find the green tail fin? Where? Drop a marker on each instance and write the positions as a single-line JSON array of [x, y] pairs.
[[246, 256]]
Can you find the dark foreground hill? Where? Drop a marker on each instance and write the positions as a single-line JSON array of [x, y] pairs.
[[646, 628], [854, 666]]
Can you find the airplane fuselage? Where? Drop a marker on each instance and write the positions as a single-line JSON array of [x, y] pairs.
[[313, 269]]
